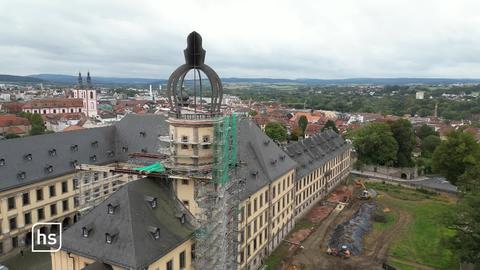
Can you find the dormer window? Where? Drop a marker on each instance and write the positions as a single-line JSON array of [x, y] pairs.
[[254, 173], [52, 152], [144, 150], [273, 161], [109, 238], [182, 218], [124, 149], [111, 209], [94, 143], [152, 201], [86, 231], [143, 133], [93, 158], [22, 175], [28, 157], [110, 153], [2, 162], [74, 163], [74, 147], [49, 169], [155, 232]]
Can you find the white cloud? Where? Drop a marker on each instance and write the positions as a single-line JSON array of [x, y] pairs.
[[261, 38]]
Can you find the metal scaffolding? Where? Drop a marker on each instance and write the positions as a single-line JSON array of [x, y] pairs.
[[218, 199]]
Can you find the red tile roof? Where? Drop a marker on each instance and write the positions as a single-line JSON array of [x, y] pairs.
[[15, 130], [53, 103], [9, 120], [72, 128]]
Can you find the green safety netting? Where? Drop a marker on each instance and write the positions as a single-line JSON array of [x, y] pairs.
[[155, 167]]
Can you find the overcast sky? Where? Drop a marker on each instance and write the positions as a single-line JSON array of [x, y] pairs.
[[243, 38]]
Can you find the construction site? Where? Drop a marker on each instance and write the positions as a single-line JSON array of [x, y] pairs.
[[359, 227]]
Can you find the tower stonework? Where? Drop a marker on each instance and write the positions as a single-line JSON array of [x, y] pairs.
[[201, 155]]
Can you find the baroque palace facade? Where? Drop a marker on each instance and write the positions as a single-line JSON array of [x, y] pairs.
[[281, 184]]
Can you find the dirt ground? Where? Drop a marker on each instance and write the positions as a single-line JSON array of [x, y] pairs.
[[313, 256]]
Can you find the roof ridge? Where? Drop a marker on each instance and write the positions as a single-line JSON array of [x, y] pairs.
[[130, 227]]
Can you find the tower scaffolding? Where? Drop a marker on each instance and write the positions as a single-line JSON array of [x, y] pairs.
[[218, 199]]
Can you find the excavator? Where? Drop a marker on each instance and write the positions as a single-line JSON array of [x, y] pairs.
[[365, 195]]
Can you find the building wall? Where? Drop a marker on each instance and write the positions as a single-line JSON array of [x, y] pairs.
[[317, 184], [20, 234], [266, 217], [185, 191], [55, 110], [89, 101], [63, 260], [174, 258], [71, 197], [189, 142]]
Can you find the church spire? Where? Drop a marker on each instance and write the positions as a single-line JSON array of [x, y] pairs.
[[80, 81], [89, 81]]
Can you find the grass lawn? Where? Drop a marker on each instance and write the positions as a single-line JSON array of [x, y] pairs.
[[422, 240], [390, 218], [275, 259]]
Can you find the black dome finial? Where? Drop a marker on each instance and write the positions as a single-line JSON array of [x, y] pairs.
[[194, 53]]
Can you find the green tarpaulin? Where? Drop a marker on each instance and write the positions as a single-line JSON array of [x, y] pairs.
[[156, 167]]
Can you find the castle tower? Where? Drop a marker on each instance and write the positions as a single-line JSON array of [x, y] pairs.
[[202, 149]]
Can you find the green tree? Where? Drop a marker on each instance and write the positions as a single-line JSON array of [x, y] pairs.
[[429, 144], [470, 180], [465, 220], [330, 124], [252, 113], [375, 144], [402, 131], [11, 136], [424, 131], [455, 155], [296, 133], [36, 120], [38, 127], [276, 131], [302, 123]]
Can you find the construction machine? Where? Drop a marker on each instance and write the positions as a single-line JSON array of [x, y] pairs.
[[365, 195]]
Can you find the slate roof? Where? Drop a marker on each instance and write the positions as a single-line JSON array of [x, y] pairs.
[[314, 151], [261, 160], [133, 245], [103, 143]]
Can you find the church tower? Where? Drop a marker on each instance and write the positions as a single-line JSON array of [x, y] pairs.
[[88, 94]]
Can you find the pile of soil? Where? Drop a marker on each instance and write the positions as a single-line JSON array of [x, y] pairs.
[[319, 213]]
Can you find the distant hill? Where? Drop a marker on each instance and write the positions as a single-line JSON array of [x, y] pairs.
[[353, 81], [70, 80], [18, 79]]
